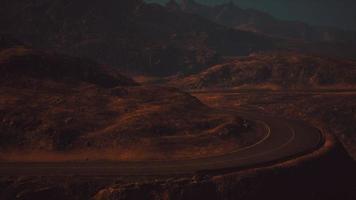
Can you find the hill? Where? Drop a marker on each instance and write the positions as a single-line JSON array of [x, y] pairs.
[[278, 70], [56, 107]]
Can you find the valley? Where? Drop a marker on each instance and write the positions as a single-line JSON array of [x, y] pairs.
[[130, 100]]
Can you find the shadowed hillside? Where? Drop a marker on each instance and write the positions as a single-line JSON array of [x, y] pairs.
[[129, 34], [20, 62]]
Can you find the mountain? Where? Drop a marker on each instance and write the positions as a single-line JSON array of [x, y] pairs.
[[275, 70], [146, 38], [256, 21], [25, 64], [140, 38]]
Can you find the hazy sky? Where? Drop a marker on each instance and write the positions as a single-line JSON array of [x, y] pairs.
[[338, 13]]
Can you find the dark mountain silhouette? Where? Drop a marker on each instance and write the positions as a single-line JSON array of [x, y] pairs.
[[130, 34], [139, 37], [252, 20]]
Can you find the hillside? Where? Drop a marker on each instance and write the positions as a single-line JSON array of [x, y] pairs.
[[278, 70], [52, 105], [145, 38], [21, 64]]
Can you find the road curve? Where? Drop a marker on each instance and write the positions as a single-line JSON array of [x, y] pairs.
[[285, 139]]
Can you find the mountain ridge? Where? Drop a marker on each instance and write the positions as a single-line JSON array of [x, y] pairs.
[[231, 15]]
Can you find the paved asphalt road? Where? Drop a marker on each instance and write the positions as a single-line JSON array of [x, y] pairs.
[[284, 139]]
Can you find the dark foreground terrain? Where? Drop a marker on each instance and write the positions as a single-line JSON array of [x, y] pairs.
[[324, 167]]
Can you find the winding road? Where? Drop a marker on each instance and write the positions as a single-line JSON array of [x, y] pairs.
[[284, 139]]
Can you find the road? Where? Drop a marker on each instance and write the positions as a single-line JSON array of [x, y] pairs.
[[285, 139]]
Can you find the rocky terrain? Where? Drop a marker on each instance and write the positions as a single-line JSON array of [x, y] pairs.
[[278, 70]]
